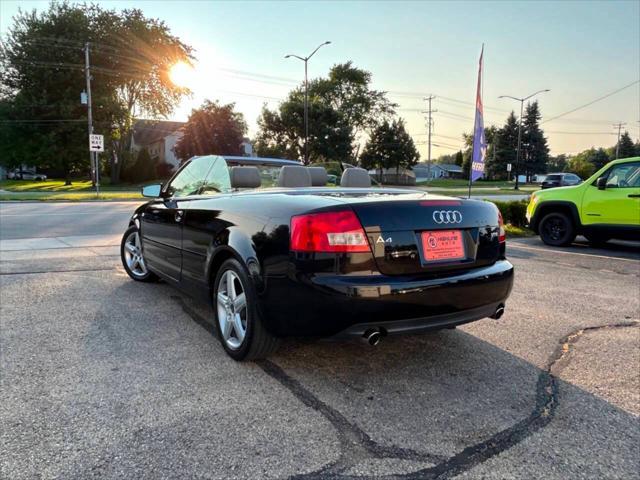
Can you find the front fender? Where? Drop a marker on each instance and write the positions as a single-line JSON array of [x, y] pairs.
[[548, 206]]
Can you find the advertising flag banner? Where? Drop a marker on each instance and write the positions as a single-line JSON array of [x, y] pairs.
[[479, 142]]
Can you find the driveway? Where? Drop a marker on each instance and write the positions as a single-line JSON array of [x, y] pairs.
[[103, 377]]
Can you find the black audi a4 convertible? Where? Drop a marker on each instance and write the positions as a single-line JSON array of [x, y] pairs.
[[278, 253]]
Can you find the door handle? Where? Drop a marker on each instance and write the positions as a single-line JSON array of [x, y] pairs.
[[634, 195], [178, 216]]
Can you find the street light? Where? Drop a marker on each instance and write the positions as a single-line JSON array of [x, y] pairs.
[[306, 98], [521, 100]]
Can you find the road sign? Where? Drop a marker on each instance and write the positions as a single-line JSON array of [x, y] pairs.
[[96, 143], [508, 167]]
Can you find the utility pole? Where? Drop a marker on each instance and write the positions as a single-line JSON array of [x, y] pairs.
[[93, 158], [429, 127], [619, 125]]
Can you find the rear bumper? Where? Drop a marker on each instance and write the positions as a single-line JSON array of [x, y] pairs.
[[419, 325], [327, 305]]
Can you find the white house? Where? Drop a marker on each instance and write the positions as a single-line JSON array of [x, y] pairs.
[[159, 137], [437, 170]]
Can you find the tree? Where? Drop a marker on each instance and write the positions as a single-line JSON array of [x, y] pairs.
[[597, 157], [626, 148], [212, 129], [390, 146], [558, 163], [504, 150], [42, 75], [581, 166], [534, 149], [343, 110], [143, 169]]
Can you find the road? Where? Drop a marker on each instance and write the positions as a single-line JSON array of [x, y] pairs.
[[55, 219], [106, 378]]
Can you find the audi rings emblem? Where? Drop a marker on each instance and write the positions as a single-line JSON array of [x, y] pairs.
[[447, 216]]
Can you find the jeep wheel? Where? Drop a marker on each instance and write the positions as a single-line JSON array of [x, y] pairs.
[[557, 229]]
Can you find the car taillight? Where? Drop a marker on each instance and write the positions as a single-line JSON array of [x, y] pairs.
[[328, 232], [502, 236]]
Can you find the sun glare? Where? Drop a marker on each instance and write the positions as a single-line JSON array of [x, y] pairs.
[[181, 74]]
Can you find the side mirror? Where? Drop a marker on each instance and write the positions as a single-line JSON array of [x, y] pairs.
[[601, 183], [152, 191]]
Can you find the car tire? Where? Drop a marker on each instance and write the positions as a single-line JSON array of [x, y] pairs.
[[131, 254], [557, 229], [238, 322]]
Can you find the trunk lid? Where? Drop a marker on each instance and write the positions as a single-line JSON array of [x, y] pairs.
[[406, 235]]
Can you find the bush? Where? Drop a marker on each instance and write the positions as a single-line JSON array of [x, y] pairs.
[[513, 212], [164, 170], [142, 170]]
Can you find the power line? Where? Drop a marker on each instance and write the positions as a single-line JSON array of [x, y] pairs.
[[592, 102], [578, 133], [58, 120]]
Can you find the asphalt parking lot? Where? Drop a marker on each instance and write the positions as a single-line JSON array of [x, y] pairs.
[[103, 377]]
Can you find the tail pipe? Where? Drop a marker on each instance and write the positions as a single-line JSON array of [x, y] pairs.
[[498, 313], [373, 336]]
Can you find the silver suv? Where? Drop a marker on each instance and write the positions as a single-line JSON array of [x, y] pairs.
[[560, 180]]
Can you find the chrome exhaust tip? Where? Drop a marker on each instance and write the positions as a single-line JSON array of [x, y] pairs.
[[498, 313], [372, 336]]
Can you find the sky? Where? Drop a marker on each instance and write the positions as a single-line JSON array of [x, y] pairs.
[[581, 51]]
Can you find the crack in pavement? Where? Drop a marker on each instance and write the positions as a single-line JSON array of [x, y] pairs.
[[357, 446]]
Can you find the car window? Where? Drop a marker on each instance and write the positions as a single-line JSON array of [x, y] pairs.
[[191, 178], [553, 178], [625, 175], [218, 179]]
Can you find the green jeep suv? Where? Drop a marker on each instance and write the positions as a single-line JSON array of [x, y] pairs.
[[605, 206]]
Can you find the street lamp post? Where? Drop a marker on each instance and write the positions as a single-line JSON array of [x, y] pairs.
[[306, 98], [521, 100]]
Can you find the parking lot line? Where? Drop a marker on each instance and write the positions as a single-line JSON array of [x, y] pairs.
[[593, 255]]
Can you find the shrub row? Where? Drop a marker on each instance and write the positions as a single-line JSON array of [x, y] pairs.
[[513, 212]]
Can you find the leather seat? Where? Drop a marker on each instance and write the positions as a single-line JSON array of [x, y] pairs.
[[355, 178], [318, 176], [292, 176], [245, 177]]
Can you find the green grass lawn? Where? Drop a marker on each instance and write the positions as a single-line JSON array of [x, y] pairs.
[[55, 189], [69, 196], [56, 185], [458, 184]]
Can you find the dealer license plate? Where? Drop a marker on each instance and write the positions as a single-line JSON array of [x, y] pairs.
[[442, 245]]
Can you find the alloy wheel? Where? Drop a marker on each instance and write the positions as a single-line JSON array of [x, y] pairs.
[[232, 309], [133, 255], [555, 228]]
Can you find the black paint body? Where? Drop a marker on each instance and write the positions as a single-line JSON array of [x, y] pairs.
[[324, 294]]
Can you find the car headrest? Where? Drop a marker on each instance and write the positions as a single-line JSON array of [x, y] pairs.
[[318, 176], [245, 177], [356, 178], [294, 176]]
